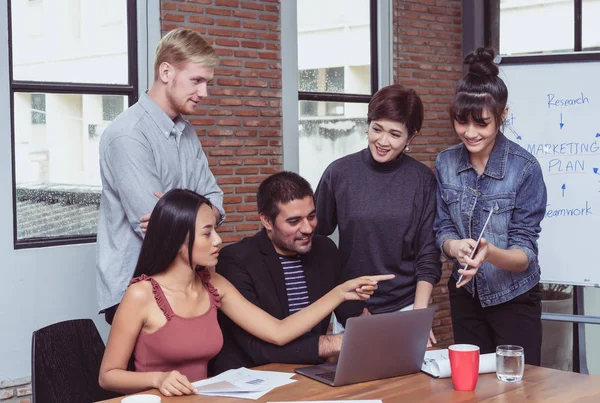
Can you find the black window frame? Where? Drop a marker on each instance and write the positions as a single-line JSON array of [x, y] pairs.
[[492, 39], [374, 67], [49, 87]]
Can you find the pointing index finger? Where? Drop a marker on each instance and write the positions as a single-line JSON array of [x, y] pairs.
[[382, 277]]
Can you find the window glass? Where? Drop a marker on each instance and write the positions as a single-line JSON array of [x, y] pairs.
[[557, 337], [590, 14], [536, 26], [78, 41], [323, 140], [591, 297], [38, 109], [334, 46], [70, 75], [334, 67], [57, 174]]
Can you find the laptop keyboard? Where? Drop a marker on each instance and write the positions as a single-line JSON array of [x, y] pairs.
[[330, 376]]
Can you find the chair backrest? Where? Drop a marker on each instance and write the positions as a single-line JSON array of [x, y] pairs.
[[65, 363]]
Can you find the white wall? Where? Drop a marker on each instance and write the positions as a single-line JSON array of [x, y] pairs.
[[45, 285]]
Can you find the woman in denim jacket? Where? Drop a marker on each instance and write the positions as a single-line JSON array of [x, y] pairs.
[[498, 299]]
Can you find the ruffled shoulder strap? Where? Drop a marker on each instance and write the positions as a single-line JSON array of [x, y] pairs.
[[159, 295], [214, 293]]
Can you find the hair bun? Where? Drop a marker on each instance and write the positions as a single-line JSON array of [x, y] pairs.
[[481, 62]]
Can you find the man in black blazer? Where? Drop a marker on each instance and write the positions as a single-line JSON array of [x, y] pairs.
[[255, 266]]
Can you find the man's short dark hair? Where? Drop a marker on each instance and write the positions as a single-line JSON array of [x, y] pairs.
[[282, 187]]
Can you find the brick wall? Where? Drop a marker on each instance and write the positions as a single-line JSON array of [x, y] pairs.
[[16, 390], [240, 123], [428, 58]]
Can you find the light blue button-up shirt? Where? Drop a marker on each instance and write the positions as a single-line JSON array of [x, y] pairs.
[[141, 152]]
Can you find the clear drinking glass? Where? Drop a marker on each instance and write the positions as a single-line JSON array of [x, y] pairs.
[[510, 363]]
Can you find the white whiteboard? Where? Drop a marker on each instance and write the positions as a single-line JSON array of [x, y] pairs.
[[554, 113]]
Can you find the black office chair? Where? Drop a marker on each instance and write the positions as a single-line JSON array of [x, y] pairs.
[[65, 363]]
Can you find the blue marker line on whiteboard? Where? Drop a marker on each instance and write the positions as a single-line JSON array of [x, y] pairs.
[[563, 187], [477, 243], [595, 171], [561, 122], [510, 129], [597, 134]]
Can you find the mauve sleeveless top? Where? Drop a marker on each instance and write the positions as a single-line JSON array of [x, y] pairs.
[[182, 344]]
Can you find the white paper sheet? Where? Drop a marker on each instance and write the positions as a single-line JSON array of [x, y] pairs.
[[333, 401], [243, 383], [437, 363]]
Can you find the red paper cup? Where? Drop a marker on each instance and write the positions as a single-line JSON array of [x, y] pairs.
[[464, 363]]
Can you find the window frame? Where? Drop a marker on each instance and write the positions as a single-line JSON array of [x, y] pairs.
[[492, 38], [374, 67], [131, 90], [382, 45]]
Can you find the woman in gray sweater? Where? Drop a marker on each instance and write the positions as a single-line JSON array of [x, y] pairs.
[[383, 202]]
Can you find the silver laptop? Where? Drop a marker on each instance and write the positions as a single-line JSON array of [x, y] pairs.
[[377, 347]]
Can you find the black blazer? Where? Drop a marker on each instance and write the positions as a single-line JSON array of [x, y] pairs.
[[253, 267]]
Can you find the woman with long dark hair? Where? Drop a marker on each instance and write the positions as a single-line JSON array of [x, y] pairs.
[[168, 315], [497, 299]]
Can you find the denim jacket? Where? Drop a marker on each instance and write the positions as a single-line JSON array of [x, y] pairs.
[[512, 185]]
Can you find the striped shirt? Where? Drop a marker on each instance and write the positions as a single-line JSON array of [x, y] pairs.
[[295, 284]]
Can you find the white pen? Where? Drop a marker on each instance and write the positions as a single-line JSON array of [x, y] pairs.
[[476, 244]]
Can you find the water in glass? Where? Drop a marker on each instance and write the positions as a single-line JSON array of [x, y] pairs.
[[510, 363]]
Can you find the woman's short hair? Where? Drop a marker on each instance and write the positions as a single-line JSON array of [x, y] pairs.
[[183, 45], [397, 103]]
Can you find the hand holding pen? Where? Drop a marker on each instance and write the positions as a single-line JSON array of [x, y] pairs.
[[472, 261], [471, 254]]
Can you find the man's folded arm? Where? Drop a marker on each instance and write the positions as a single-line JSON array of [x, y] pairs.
[[132, 168]]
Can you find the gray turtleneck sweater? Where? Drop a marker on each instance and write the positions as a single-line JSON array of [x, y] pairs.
[[385, 214]]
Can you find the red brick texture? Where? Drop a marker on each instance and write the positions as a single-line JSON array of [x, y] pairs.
[[428, 58], [239, 124]]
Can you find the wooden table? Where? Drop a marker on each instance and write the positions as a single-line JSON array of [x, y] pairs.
[[538, 385]]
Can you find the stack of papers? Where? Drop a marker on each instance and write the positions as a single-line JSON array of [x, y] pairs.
[[437, 363], [334, 401], [243, 383]]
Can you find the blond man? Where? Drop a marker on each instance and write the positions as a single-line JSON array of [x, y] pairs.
[[147, 150]]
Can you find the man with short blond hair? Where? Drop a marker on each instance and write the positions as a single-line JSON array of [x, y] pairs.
[[147, 150]]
